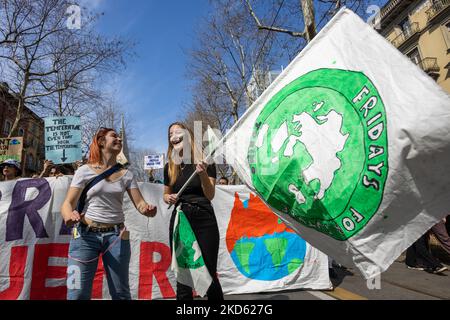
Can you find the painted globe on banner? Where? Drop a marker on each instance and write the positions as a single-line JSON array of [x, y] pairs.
[[261, 246]]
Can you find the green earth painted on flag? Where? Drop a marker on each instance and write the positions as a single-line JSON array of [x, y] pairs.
[[319, 151], [188, 252]]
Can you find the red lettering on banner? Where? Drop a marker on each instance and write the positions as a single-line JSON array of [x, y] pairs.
[[17, 263], [149, 268], [97, 286], [42, 271]]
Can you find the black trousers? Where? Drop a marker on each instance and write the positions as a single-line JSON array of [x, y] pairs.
[[204, 224], [419, 255]]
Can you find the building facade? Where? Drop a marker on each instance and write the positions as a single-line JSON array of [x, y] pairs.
[[31, 128], [420, 29], [259, 82]]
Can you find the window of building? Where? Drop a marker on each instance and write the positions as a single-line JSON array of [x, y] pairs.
[[405, 25], [21, 132], [7, 127], [414, 56]]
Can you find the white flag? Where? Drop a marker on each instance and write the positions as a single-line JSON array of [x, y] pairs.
[[350, 145]]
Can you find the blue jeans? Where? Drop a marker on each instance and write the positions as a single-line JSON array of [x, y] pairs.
[[83, 260]]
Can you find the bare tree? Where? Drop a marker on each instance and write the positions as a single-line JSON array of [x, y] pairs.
[[80, 60], [109, 116], [227, 54], [45, 59], [309, 14], [13, 21]]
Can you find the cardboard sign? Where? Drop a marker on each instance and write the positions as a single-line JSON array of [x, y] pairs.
[[63, 139], [11, 148]]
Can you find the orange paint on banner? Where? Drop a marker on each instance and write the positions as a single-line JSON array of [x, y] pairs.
[[254, 221]]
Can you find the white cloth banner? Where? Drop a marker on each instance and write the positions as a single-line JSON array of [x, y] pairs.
[[350, 146], [257, 251]]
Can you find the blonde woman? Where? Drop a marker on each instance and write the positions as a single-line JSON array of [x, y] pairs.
[[195, 201]]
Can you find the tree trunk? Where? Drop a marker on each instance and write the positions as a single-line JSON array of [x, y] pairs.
[[60, 102], [309, 19], [20, 105]]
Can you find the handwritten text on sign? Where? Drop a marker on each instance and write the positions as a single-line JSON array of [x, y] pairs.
[[63, 139], [154, 161]]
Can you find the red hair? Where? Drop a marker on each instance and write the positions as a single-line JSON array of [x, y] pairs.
[[95, 156]]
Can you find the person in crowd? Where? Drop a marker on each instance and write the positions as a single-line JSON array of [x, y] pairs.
[[441, 233], [195, 201], [48, 165], [331, 271], [11, 169], [55, 171], [223, 181], [419, 257], [95, 212], [52, 170], [67, 169]]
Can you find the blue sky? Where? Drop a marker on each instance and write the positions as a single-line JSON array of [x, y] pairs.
[[153, 88]]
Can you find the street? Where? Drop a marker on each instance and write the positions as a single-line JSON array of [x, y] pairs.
[[397, 283]]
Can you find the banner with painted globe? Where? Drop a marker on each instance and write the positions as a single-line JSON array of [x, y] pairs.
[[349, 146]]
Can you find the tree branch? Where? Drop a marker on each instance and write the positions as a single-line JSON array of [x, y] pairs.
[[276, 29]]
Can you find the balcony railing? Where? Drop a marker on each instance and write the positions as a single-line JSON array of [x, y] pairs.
[[406, 34], [436, 8], [393, 9], [429, 65]]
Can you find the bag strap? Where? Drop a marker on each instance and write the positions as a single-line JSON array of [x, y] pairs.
[[93, 182]]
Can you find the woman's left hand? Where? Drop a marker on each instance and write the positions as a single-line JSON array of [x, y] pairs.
[[148, 210], [201, 168]]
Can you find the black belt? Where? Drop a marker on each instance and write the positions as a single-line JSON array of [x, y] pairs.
[[103, 229], [199, 202]]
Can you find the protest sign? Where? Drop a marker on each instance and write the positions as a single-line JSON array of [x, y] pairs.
[[63, 139]]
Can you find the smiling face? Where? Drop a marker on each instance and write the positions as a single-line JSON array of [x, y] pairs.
[[178, 138], [111, 143]]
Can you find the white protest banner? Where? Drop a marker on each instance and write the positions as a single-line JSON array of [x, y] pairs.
[[350, 146], [11, 148], [154, 161], [257, 252], [63, 139]]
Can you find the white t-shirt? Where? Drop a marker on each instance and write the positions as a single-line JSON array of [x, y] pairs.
[[104, 200]]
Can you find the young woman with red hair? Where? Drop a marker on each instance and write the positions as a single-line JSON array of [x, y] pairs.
[[100, 229]]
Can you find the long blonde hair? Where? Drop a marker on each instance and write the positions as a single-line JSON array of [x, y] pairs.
[[196, 155]]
